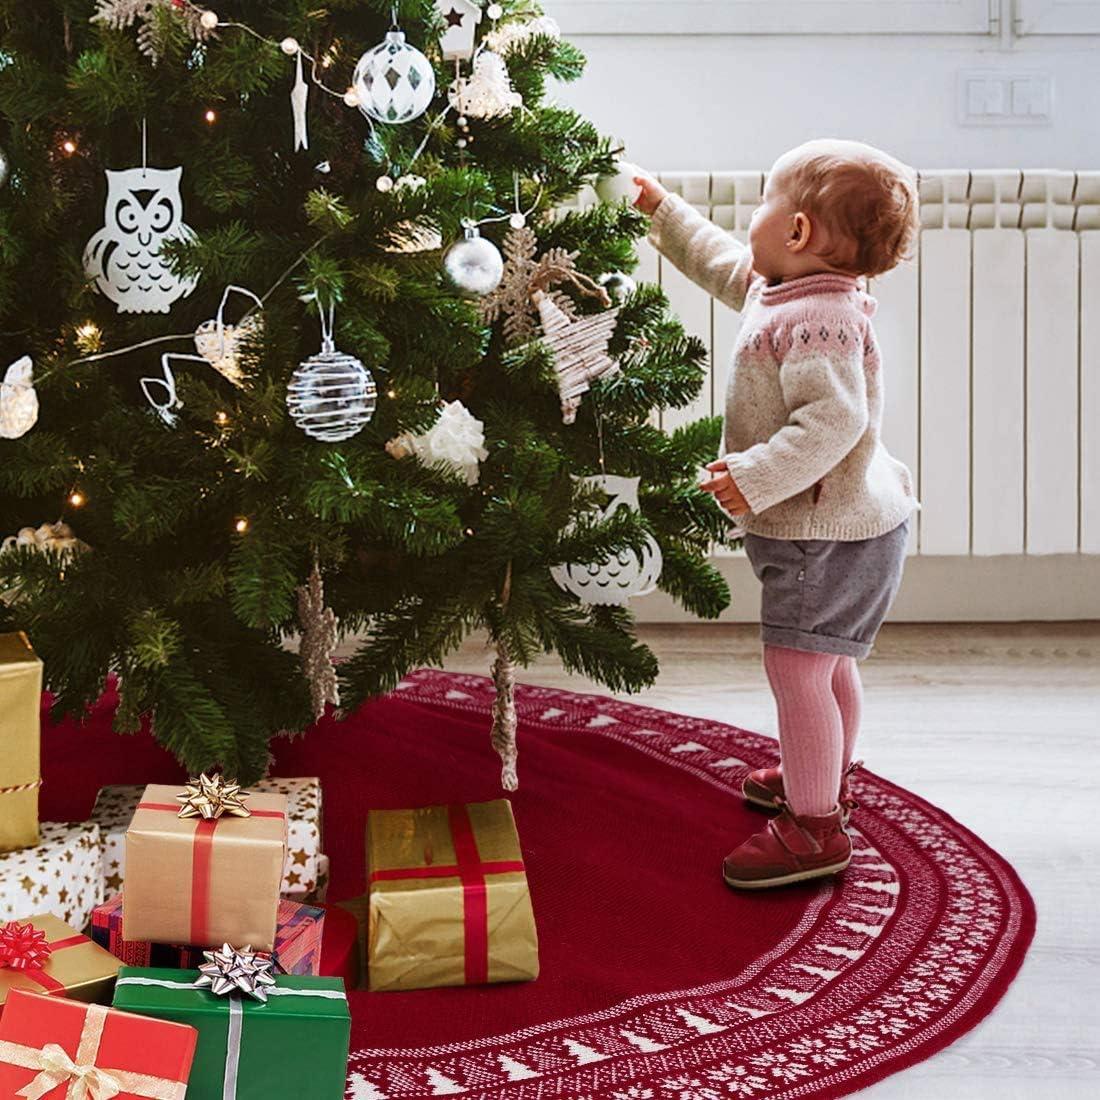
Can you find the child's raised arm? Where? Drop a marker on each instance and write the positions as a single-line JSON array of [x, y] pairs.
[[706, 254]]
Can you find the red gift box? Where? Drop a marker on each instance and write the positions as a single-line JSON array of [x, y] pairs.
[[340, 946], [298, 940], [50, 1047]]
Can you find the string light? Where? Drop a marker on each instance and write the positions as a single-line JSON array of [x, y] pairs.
[[211, 117], [209, 20], [221, 418], [351, 97], [89, 337], [68, 147], [77, 499], [242, 525], [469, 532], [289, 46], [391, 394]]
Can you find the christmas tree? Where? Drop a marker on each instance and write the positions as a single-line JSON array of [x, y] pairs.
[[433, 472]]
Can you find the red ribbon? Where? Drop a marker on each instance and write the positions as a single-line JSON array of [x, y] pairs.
[[24, 948], [202, 859], [471, 871]]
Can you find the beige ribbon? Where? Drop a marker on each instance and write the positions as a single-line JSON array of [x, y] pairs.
[[85, 1080]]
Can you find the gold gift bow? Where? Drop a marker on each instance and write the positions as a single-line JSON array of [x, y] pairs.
[[84, 1078]]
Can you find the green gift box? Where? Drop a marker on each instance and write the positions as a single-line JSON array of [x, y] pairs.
[[294, 1045]]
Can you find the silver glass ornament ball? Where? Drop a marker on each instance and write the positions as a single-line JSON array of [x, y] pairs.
[[474, 265], [331, 396], [618, 284], [394, 82]]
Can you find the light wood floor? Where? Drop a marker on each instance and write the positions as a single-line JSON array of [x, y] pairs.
[[999, 725]]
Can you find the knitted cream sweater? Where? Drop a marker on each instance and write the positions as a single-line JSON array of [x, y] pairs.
[[804, 398]]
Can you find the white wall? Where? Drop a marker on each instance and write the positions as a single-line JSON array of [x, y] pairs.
[[736, 102]]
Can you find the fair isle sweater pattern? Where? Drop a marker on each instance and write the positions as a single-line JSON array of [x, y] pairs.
[[804, 400]]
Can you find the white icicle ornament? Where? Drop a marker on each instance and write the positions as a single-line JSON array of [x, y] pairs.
[[18, 400]]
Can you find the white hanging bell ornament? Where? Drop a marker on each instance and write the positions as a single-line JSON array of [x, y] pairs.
[[394, 82], [474, 265], [18, 400]]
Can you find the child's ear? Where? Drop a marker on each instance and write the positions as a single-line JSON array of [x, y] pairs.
[[799, 237]]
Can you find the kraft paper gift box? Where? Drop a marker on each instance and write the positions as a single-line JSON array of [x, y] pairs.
[[60, 875], [305, 871], [298, 940], [20, 698], [55, 1049], [295, 1045], [449, 903], [44, 955], [204, 882]]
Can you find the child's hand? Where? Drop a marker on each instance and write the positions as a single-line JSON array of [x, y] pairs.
[[653, 194], [725, 489]]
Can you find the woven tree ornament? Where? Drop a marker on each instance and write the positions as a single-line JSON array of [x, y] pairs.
[[488, 91], [211, 797], [319, 637], [23, 947], [228, 971], [522, 272]]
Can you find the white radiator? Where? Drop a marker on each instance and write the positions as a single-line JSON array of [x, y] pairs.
[[991, 344]]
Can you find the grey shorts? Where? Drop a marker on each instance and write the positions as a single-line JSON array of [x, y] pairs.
[[826, 596]]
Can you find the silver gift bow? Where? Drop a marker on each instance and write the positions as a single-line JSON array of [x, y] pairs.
[[236, 1021]]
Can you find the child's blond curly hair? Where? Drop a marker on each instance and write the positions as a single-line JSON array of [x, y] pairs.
[[864, 199]]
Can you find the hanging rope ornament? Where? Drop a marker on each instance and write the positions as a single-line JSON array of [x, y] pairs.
[[331, 396], [18, 400], [320, 634]]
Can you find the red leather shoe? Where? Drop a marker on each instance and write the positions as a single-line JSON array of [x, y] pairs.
[[764, 788], [790, 849]]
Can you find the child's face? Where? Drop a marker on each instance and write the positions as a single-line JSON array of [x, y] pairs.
[[773, 228]]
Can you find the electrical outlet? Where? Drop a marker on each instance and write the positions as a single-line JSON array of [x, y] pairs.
[[989, 97]]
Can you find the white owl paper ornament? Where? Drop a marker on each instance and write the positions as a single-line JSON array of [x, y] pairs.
[[624, 575], [144, 211]]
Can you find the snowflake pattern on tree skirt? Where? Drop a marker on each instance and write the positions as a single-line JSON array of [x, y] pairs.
[[910, 949]]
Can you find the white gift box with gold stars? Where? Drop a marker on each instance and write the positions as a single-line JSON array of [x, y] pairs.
[[305, 870], [61, 875]]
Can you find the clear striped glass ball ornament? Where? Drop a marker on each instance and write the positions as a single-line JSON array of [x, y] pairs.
[[331, 396]]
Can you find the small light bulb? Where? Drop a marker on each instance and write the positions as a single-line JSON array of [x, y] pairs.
[[209, 20], [327, 61], [211, 117], [69, 147], [221, 418], [88, 336], [351, 97], [391, 394], [469, 532], [77, 499], [289, 46], [241, 525]]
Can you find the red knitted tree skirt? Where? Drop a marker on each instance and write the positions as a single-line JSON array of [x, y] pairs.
[[657, 981]]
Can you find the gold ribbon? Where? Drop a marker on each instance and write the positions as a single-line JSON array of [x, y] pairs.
[[85, 1080]]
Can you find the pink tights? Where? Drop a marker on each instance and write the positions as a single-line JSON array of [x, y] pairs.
[[819, 702]]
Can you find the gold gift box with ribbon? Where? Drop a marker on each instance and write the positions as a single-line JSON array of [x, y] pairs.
[[204, 881], [20, 698], [449, 901], [60, 961]]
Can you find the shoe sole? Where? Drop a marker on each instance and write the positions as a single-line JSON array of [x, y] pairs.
[[786, 880]]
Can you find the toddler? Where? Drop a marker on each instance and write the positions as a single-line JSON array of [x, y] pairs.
[[824, 506]]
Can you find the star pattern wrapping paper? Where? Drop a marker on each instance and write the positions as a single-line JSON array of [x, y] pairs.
[[61, 875], [302, 872]]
